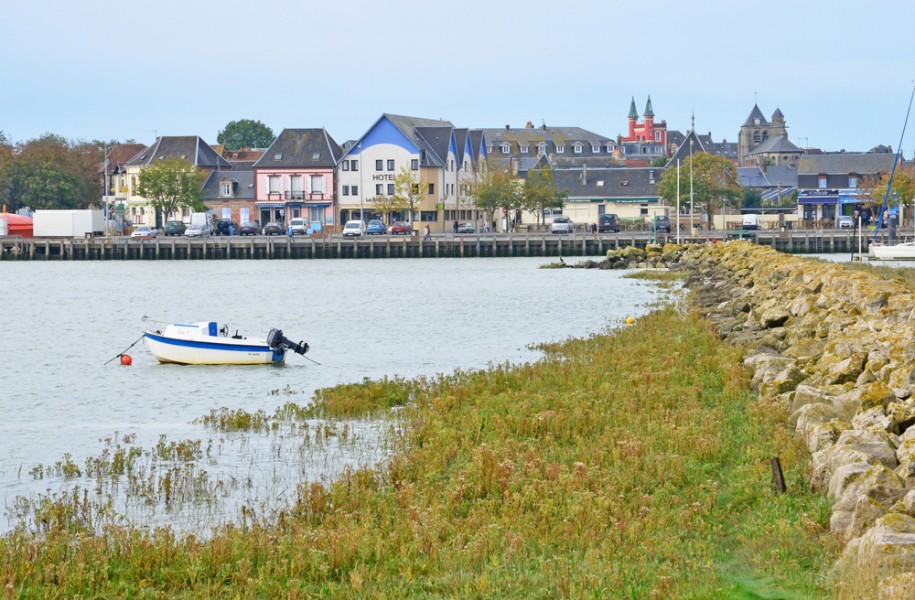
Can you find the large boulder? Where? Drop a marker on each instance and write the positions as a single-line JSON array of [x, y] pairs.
[[853, 446], [888, 546]]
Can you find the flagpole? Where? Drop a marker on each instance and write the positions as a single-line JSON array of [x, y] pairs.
[[678, 201]]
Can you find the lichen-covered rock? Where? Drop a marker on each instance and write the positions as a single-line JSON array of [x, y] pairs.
[[873, 447], [873, 418], [848, 369], [900, 586], [889, 544]]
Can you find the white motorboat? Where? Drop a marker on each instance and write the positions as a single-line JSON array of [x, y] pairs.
[[205, 343], [903, 251]]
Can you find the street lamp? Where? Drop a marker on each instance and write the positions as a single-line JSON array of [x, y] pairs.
[[361, 187]]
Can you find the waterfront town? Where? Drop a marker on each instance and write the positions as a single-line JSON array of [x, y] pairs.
[[426, 171]]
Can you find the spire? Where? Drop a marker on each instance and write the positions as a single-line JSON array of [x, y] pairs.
[[649, 112], [633, 113]]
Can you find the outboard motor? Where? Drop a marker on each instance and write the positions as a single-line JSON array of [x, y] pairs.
[[277, 341]]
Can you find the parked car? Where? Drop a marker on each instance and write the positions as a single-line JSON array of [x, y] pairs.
[[750, 222], [845, 222], [144, 231], [299, 226], [274, 228], [662, 224], [608, 223], [225, 227], [465, 228], [561, 224], [198, 230], [175, 228], [400, 228], [249, 228], [354, 228], [376, 227]]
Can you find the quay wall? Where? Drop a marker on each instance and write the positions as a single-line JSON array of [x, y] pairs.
[[835, 348], [236, 247]]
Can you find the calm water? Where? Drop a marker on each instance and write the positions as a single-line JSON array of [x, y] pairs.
[[363, 318]]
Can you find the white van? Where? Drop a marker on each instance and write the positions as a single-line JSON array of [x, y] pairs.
[[298, 226], [751, 222]]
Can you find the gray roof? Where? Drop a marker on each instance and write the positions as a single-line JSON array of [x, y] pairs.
[[558, 136], [723, 148], [411, 126], [243, 185], [841, 164], [633, 183], [773, 176], [755, 114], [437, 140], [190, 148], [295, 148], [776, 144]]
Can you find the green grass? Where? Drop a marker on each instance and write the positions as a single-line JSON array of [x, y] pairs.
[[632, 465]]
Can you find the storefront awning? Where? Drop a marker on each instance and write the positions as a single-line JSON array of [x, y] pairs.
[[818, 200], [270, 204]]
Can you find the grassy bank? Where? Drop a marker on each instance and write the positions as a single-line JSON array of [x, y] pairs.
[[626, 465]]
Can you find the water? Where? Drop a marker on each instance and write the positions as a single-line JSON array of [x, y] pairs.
[[363, 319]]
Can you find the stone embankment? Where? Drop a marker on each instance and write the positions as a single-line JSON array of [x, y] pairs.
[[653, 256], [835, 347]]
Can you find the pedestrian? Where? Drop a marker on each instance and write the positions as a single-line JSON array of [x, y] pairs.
[[454, 227], [289, 231], [427, 233]]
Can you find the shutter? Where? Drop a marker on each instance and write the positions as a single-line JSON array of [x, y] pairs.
[[308, 183]]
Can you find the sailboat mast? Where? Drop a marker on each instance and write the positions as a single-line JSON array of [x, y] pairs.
[[889, 185]]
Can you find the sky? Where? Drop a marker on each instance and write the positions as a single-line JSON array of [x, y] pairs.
[[842, 72]]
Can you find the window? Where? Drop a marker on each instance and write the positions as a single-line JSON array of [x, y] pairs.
[[657, 136], [541, 149], [278, 156], [431, 188], [577, 148], [297, 183], [595, 149], [506, 149], [346, 190], [525, 149], [346, 165], [379, 165], [428, 216], [226, 190], [452, 164], [852, 181], [765, 135], [354, 189], [756, 135], [390, 164], [318, 185], [354, 165], [390, 189], [822, 182], [379, 189], [276, 184], [414, 164], [560, 149]]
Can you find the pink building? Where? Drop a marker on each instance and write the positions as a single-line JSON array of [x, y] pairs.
[[295, 178]]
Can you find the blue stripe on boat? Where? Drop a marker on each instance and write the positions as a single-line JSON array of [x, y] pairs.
[[208, 345]]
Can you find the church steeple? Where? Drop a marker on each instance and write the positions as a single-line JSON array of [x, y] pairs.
[[633, 113], [649, 111]]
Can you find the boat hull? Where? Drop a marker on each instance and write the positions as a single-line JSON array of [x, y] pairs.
[[215, 351], [904, 251]]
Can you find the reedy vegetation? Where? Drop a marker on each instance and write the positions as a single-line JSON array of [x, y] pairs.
[[632, 464]]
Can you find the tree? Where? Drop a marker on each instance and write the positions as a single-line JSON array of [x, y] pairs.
[[660, 161], [714, 183], [50, 172], [495, 189], [246, 133], [385, 205], [170, 184], [407, 190], [540, 193], [903, 191], [752, 198]]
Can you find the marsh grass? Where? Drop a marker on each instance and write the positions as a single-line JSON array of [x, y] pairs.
[[905, 274], [632, 464]]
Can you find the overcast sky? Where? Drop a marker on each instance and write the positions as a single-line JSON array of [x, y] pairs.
[[841, 71]]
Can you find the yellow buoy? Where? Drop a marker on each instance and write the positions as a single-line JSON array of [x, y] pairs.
[[629, 320]]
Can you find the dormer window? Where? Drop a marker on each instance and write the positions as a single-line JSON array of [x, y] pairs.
[[226, 189], [560, 149], [525, 149], [852, 181], [278, 156], [576, 148], [506, 149], [541, 149], [595, 149]]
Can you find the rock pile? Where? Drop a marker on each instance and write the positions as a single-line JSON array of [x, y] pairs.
[[836, 348], [654, 256]]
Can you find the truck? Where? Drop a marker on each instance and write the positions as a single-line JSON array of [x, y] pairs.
[[68, 223], [202, 218]]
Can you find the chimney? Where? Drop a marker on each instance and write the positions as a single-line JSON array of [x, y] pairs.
[[530, 125], [543, 127], [507, 127], [584, 173]]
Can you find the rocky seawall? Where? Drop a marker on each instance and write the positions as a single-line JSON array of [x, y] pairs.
[[837, 349]]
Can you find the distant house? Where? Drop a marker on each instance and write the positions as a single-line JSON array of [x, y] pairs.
[[189, 148], [773, 183], [426, 147], [114, 171], [837, 184], [678, 144], [296, 177], [519, 149], [645, 141], [230, 195]]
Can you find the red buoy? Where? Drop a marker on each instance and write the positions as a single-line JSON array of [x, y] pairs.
[[126, 360]]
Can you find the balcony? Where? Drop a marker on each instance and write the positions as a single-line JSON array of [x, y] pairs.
[[295, 195]]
